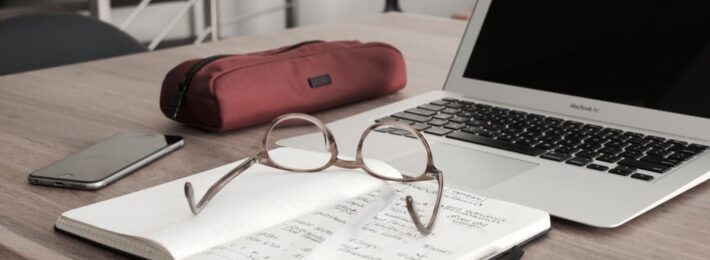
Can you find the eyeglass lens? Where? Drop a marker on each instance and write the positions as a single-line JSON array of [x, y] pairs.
[[299, 126], [411, 164]]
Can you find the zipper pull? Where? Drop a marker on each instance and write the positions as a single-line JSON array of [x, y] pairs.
[[187, 79], [178, 104], [179, 97]]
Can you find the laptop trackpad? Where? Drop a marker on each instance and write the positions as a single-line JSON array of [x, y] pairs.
[[466, 169]]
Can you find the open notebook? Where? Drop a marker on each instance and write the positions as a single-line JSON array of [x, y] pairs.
[[272, 214]]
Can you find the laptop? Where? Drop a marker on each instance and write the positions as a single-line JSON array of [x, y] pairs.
[[593, 112]]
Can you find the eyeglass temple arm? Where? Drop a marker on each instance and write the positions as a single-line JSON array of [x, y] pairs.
[[426, 230], [217, 186]]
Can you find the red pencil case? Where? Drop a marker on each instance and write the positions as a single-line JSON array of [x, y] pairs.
[[226, 92]]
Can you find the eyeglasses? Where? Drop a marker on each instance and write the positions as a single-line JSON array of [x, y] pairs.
[[429, 173]]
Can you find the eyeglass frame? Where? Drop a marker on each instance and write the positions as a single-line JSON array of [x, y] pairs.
[[262, 157]]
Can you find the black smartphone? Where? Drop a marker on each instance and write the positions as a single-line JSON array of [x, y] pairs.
[[103, 163]]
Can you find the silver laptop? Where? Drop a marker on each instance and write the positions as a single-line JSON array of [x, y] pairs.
[[595, 113]]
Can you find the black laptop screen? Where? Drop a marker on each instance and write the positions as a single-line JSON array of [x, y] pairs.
[[647, 53]]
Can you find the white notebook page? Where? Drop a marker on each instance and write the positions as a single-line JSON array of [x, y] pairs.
[[376, 226], [259, 198]]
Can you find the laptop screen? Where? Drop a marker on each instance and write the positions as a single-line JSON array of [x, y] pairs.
[[647, 53]]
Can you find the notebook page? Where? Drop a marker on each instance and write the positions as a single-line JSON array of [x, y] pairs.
[[296, 238], [259, 198], [468, 227]]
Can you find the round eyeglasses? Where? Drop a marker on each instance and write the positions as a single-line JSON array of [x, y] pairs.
[[423, 214]]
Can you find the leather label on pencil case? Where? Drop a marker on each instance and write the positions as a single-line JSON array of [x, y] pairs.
[[319, 81]]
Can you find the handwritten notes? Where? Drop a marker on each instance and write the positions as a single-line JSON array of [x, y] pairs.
[[377, 226], [297, 238], [390, 234]]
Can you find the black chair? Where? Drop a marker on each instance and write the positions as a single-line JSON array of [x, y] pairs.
[[392, 6], [44, 40]]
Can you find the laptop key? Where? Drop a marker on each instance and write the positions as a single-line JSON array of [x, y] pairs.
[[437, 122], [465, 114], [431, 107], [455, 126], [506, 138], [555, 156], [490, 134], [443, 116], [616, 143], [496, 143], [451, 111], [455, 105], [477, 123], [610, 150], [634, 134], [590, 147], [567, 149], [411, 117], [631, 154], [578, 161], [398, 131], [661, 145], [638, 148], [574, 124], [439, 102], [405, 121], [494, 127], [639, 140], [689, 150], [621, 171], [554, 120], [660, 160], [421, 112], [458, 119], [597, 167], [659, 152], [385, 119], [472, 129], [677, 142], [385, 129], [420, 126], [679, 156], [528, 142], [570, 142], [628, 168], [644, 165], [550, 138], [587, 154], [595, 127], [608, 158], [655, 138], [437, 131], [546, 146], [642, 176]]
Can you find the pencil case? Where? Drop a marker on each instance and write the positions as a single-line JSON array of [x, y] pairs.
[[226, 92]]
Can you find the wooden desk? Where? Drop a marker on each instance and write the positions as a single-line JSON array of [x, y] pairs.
[[46, 115]]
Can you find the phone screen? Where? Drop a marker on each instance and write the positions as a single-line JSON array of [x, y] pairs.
[[106, 158]]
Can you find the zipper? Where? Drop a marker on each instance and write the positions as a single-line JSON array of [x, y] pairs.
[[295, 46], [187, 79]]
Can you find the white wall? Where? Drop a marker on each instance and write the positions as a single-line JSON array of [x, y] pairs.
[[146, 26]]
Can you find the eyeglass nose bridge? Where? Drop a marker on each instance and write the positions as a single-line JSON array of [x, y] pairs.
[[347, 164]]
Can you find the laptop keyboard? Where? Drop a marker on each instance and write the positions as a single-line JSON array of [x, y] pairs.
[[575, 143]]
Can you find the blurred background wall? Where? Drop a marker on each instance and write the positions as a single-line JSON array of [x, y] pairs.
[[150, 22]]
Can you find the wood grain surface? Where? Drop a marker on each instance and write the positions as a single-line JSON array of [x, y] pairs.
[[48, 114]]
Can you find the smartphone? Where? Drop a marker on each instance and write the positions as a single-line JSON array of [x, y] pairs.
[[103, 163]]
